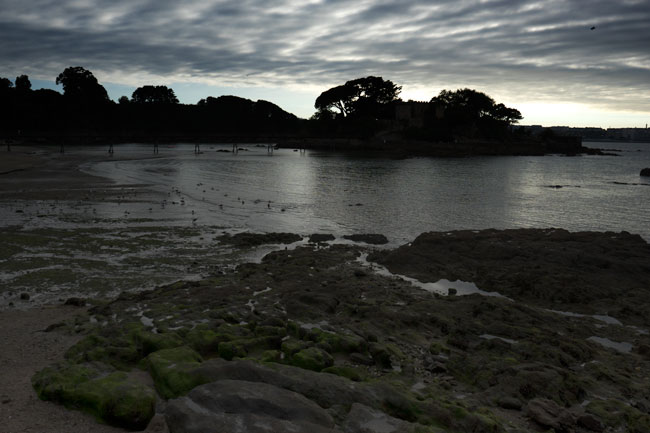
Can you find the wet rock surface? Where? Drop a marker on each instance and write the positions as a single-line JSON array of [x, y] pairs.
[[585, 272], [235, 405], [356, 350], [368, 238], [247, 239]]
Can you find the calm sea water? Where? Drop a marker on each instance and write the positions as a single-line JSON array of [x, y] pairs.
[[342, 194]]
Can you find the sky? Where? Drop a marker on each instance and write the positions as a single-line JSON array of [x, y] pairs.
[[541, 57]]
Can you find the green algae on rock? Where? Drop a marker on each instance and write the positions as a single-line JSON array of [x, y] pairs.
[[302, 320], [173, 370], [109, 395]]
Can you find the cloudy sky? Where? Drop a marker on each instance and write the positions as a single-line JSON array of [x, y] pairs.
[[540, 57]]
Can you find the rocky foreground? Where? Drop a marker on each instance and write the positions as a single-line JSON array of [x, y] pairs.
[[315, 340]]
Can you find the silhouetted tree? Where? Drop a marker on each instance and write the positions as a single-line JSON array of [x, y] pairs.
[[23, 83], [80, 84], [506, 114], [123, 100], [5, 83], [339, 97], [470, 113], [363, 97], [154, 95]]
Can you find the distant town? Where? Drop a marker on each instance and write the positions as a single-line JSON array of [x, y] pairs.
[[596, 134]]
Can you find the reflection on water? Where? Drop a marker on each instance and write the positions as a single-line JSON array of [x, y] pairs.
[[325, 192]]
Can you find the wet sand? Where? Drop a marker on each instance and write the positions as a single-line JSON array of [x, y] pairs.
[[25, 349], [36, 173]]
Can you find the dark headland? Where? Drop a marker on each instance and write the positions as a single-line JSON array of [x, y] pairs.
[[362, 115]]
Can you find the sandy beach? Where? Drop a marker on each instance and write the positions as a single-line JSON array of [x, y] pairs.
[[37, 173]]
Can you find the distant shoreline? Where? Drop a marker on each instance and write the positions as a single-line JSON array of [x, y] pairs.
[[394, 146]]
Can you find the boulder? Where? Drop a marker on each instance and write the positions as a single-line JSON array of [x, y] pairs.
[[368, 238], [325, 389], [312, 358], [548, 414], [320, 237], [109, 395], [590, 422], [235, 405], [363, 419], [246, 239], [508, 402], [174, 371], [645, 172]]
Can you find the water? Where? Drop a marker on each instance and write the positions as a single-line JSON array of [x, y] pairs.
[[173, 207], [342, 194]]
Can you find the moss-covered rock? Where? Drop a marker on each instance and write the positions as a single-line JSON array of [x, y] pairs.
[[204, 341], [344, 343], [231, 349], [110, 396], [148, 342], [174, 370], [385, 354], [271, 356], [270, 331], [292, 345], [620, 416], [348, 372], [120, 352], [312, 358]]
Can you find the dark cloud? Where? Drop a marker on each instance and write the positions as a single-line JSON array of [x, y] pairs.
[[521, 50]]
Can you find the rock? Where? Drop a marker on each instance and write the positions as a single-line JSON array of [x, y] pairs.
[[360, 358], [230, 406], [348, 372], [511, 403], [590, 422], [548, 414], [373, 239], [321, 237], [4, 399], [109, 395], [312, 358], [359, 273], [381, 355], [451, 291], [174, 370], [645, 172], [324, 389], [644, 350], [54, 326], [24, 296], [157, 425], [77, 302], [246, 239], [363, 419], [148, 342]]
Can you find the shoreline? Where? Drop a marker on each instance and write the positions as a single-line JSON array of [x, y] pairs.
[[392, 146], [395, 353]]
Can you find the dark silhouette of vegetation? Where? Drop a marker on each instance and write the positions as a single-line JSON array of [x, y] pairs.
[[23, 83], [81, 86], [154, 95], [5, 84], [363, 97], [365, 110], [467, 113]]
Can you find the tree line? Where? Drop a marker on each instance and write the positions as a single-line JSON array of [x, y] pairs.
[[359, 108], [84, 108]]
